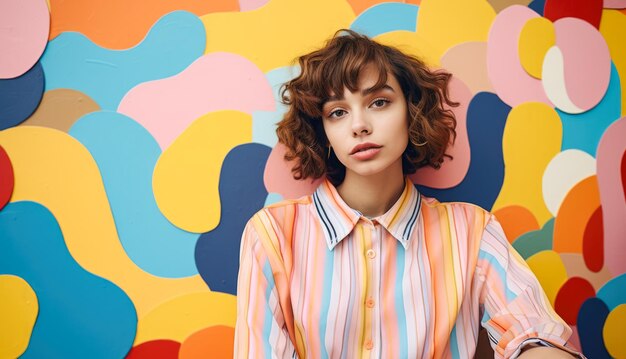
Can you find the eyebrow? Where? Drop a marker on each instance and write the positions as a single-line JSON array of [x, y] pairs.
[[364, 92]]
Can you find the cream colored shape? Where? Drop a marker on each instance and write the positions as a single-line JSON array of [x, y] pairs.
[[18, 310], [575, 266], [54, 169], [182, 316], [536, 38], [468, 62], [613, 29], [553, 81], [550, 271], [186, 176], [563, 172], [449, 23], [411, 43], [275, 34], [499, 5], [532, 137]]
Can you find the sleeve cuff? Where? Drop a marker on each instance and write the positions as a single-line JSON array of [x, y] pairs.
[[532, 342]]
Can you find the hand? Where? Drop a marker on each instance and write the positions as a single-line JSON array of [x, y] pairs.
[[545, 352]]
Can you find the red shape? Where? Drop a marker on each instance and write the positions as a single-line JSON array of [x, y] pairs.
[[593, 242], [624, 174], [7, 179], [155, 349], [588, 10], [571, 297]]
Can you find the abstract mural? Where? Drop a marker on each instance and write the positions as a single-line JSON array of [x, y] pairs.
[[137, 138]]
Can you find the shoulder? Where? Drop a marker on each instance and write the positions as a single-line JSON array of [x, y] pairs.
[[456, 210], [279, 215]]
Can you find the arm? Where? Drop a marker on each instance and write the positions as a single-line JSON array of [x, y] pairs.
[[517, 313], [260, 331]]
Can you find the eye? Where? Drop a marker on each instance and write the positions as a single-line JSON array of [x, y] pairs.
[[380, 102], [337, 113]]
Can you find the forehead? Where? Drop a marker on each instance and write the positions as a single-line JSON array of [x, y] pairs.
[[370, 79]]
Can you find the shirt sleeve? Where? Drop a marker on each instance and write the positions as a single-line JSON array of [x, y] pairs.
[[260, 330], [516, 311]]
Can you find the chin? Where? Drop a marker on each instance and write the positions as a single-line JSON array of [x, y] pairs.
[[367, 170]]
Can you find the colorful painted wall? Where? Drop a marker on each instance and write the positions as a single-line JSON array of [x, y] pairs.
[[137, 138]]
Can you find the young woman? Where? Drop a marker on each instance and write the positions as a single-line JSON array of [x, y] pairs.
[[366, 266]]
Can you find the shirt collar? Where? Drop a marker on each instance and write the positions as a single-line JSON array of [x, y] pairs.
[[338, 219]]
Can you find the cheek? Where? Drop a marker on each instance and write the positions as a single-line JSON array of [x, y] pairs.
[[334, 133]]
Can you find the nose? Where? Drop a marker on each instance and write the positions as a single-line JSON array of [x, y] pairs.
[[360, 124]]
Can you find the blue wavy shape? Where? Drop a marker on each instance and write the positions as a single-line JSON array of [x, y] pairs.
[[80, 315], [537, 6], [386, 17], [590, 322], [73, 61], [264, 122], [126, 154], [583, 131], [486, 117], [613, 292], [20, 96], [273, 198], [242, 194]]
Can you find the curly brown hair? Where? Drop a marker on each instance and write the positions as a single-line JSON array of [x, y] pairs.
[[337, 66]]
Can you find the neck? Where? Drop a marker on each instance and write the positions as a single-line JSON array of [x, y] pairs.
[[372, 195]]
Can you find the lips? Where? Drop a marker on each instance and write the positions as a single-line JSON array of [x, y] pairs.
[[364, 147]]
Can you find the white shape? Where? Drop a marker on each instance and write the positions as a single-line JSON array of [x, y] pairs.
[[553, 81], [563, 172]]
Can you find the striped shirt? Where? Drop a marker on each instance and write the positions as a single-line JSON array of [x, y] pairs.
[[319, 280]]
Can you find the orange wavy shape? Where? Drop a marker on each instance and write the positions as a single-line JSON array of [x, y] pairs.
[[212, 342], [515, 221], [120, 24], [575, 212]]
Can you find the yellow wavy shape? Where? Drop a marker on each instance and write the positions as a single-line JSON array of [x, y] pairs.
[[532, 137], [412, 43], [613, 332], [180, 317], [550, 271], [186, 176], [276, 33], [537, 37], [18, 310], [449, 23], [54, 169]]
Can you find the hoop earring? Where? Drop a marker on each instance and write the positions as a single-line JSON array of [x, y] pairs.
[[329, 149], [417, 144]]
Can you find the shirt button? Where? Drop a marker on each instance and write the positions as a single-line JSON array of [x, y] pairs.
[[369, 344], [369, 303], [370, 254]]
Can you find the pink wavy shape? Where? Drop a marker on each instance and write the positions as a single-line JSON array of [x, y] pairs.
[[586, 61], [216, 81], [611, 149], [511, 82], [24, 29], [279, 179], [247, 5], [452, 172], [614, 4]]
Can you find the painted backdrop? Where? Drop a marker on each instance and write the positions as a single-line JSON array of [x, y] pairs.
[[137, 138]]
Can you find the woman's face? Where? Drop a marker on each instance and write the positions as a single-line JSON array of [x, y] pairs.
[[367, 129]]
